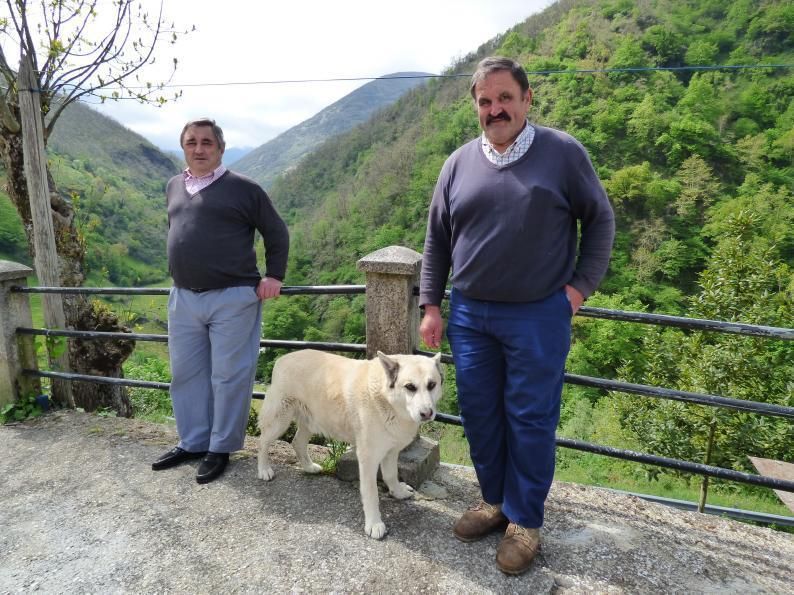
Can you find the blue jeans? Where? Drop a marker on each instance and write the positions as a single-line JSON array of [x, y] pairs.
[[510, 365]]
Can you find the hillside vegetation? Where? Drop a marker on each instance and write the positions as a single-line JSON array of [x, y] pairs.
[[699, 165], [116, 179]]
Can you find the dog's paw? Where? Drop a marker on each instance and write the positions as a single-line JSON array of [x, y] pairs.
[[312, 468], [402, 492], [266, 473], [376, 531]]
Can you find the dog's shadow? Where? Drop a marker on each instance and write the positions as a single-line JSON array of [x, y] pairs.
[[419, 528]]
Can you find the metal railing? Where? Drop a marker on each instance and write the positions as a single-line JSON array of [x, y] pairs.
[[600, 383]]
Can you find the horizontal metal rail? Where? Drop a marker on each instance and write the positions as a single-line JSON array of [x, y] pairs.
[[667, 393], [695, 324], [601, 383], [275, 343], [766, 518], [699, 468], [629, 455], [680, 395], [107, 335], [319, 345], [285, 290], [74, 377]]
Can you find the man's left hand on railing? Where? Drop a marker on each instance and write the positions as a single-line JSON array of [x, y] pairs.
[[268, 288]]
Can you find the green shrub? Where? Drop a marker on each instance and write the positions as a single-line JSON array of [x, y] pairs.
[[149, 403]]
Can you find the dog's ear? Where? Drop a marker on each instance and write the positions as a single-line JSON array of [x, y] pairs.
[[391, 366], [439, 365]]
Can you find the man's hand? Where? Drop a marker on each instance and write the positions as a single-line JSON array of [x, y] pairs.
[[268, 288], [575, 297], [432, 327]]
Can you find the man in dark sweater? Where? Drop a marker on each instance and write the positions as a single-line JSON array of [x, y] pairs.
[[215, 306], [504, 219]]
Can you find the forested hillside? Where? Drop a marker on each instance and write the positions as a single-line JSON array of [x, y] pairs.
[[689, 118], [265, 163], [116, 179]]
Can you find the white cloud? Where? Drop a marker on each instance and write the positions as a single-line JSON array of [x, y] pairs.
[[249, 40]]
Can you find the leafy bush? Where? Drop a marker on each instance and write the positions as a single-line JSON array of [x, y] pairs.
[[149, 403], [25, 408]]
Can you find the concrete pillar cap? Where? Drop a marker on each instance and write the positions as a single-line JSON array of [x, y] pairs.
[[14, 270], [394, 260]]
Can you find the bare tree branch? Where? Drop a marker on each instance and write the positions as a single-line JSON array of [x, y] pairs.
[[75, 65], [50, 67]]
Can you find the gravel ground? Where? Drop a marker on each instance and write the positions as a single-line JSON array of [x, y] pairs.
[[81, 511]]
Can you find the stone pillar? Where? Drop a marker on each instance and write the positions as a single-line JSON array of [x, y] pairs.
[[392, 309], [16, 352], [393, 328]]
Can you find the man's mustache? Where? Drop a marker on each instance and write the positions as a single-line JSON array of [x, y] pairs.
[[497, 117]]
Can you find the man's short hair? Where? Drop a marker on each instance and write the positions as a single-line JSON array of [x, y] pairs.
[[493, 64], [216, 130]]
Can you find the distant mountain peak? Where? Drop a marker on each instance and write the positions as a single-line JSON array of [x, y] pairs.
[[405, 75], [276, 156]]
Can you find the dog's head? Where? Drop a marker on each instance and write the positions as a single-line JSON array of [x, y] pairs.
[[413, 384]]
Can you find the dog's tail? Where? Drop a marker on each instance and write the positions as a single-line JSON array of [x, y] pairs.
[[276, 410]]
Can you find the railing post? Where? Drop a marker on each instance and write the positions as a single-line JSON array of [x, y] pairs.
[[16, 352], [392, 308], [392, 327]]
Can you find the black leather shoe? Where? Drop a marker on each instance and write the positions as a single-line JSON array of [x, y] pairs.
[[212, 466], [175, 456]]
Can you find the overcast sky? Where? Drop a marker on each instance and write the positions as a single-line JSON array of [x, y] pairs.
[[257, 40]]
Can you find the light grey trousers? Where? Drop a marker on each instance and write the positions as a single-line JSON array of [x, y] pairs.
[[213, 343]]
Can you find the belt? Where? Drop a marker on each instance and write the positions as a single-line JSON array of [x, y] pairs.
[[198, 289]]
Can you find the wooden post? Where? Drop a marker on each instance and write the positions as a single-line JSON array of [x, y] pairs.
[[45, 255], [16, 351]]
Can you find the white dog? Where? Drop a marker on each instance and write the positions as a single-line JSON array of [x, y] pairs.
[[376, 405]]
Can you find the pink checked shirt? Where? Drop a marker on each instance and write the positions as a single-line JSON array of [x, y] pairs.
[[194, 184]]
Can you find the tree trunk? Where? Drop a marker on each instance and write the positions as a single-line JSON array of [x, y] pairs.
[[96, 357]]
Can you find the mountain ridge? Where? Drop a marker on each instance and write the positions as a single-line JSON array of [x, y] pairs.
[[283, 152], [86, 134]]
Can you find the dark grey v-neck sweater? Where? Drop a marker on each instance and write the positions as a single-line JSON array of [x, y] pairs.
[[509, 233], [211, 234]]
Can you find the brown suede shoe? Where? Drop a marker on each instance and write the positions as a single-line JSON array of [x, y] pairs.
[[478, 521], [517, 549]]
